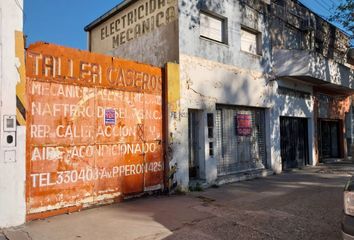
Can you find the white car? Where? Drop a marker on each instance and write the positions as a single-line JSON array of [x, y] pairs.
[[348, 215]]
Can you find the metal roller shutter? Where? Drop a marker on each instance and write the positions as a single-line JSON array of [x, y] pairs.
[[240, 149]]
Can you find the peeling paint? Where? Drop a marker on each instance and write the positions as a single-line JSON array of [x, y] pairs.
[[75, 157]]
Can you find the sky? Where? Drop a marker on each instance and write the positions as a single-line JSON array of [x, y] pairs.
[[63, 21]]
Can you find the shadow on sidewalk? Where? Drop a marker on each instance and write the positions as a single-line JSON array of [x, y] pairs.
[[303, 204]]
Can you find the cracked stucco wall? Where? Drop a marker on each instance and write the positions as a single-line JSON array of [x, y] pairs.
[[215, 73]]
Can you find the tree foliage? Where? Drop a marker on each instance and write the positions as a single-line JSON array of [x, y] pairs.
[[344, 14]]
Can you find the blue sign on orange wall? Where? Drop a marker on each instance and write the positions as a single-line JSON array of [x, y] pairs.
[[110, 117]]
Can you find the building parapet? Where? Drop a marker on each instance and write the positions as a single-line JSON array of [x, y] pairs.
[[313, 68]]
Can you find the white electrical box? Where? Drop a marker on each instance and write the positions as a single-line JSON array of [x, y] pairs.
[[9, 123], [9, 131]]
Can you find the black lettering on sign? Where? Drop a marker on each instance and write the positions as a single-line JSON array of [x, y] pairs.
[[140, 12], [137, 31], [122, 38], [160, 4], [152, 6], [159, 16], [146, 26], [139, 20], [123, 20], [111, 28], [115, 42], [116, 24], [130, 35], [130, 18], [102, 33]]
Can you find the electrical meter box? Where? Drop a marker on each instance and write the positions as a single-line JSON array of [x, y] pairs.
[[9, 131]]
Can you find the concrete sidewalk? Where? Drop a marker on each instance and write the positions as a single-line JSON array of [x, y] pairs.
[[302, 204]]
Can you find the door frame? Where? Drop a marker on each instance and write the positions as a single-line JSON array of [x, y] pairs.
[[319, 137], [196, 129], [306, 159]]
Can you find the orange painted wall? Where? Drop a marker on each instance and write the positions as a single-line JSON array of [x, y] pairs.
[[94, 129]]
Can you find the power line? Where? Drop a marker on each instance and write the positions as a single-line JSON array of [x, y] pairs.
[[323, 6], [326, 18]]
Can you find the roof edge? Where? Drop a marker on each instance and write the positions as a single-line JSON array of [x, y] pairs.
[[108, 14], [345, 32]]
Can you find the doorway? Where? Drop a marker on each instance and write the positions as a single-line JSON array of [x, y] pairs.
[[329, 139], [294, 142], [194, 143], [240, 139]]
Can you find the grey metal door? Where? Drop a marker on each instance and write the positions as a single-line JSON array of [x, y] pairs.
[[240, 143]]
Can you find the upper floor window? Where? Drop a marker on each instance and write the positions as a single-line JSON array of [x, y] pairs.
[[251, 41], [213, 27], [293, 38]]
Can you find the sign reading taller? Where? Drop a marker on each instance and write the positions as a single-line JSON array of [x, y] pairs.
[[94, 128]]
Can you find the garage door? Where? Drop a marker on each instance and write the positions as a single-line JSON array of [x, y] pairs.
[[94, 129], [240, 139], [294, 142]]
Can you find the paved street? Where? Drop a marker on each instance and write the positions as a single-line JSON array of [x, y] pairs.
[[303, 204]]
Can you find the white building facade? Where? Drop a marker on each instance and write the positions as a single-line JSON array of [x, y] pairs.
[[12, 116], [243, 100]]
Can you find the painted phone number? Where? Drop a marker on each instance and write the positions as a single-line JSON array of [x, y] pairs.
[[92, 174]]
